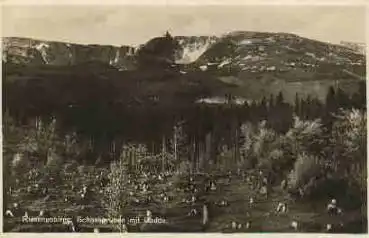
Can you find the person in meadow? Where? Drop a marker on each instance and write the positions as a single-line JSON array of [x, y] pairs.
[[191, 188], [253, 182], [124, 229], [148, 214], [229, 177], [9, 213], [281, 208], [265, 180], [328, 228], [74, 225], [223, 203], [45, 191], [144, 188], [166, 199], [193, 199], [264, 191], [193, 212], [333, 209], [301, 192], [294, 225], [213, 187], [251, 201], [17, 210], [284, 184], [234, 225]]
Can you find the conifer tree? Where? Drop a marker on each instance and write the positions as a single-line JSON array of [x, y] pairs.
[[297, 105]]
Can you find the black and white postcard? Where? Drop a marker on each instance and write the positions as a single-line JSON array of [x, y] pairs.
[[184, 118]]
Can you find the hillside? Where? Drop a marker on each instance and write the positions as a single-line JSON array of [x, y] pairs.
[[261, 64], [63, 86], [256, 64], [39, 52], [355, 46]]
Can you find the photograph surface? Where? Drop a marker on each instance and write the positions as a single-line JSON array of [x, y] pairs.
[[215, 119]]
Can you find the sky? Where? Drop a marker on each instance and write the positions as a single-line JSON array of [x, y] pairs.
[[134, 25]]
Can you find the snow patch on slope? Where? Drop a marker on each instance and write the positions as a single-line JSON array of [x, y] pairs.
[[245, 42], [192, 51], [70, 55], [116, 59], [225, 62], [42, 48], [223, 100]]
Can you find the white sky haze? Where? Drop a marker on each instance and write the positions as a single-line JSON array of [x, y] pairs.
[[133, 25]]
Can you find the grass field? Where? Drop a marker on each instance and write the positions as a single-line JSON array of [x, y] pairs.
[[62, 199]]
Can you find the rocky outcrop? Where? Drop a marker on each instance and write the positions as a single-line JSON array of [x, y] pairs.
[[192, 47]]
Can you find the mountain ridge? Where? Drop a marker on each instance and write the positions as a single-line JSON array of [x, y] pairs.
[[257, 64], [192, 47]]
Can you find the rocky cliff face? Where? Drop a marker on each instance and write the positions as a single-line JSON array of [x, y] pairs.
[[192, 47]]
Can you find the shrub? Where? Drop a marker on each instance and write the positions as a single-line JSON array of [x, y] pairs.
[[115, 194], [349, 148], [247, 133], [184, 167], [264, 141], [19, 164], [306, 168], [54, 163], [256, 145], [265, 149], [305, 136]]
